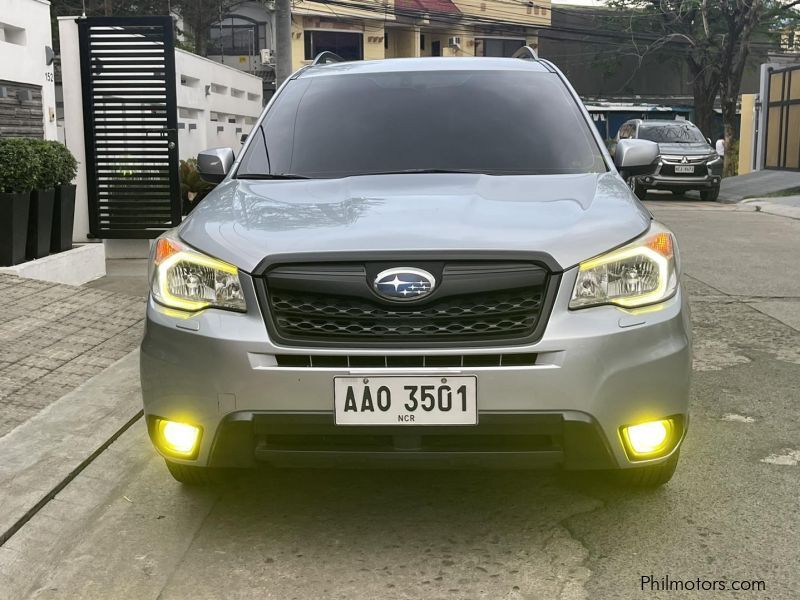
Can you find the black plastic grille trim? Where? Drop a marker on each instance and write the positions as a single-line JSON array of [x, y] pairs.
[[425, 443], [525, 359], [499, 314], [480, 301]]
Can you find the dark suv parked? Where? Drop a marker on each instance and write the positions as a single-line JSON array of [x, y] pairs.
[[686, 159]]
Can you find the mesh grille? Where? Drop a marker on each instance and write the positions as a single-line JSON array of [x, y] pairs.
[[507, 313]]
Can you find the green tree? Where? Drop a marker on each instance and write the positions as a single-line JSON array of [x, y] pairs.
[[198, 16], [714, 37]]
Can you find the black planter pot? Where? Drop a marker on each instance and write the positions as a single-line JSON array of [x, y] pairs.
[[14, 209], [63, 218], [40, 224]]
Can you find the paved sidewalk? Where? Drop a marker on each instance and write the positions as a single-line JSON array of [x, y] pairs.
[[757, 183], [54, 337]]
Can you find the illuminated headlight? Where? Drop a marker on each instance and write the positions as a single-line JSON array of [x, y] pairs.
[[185, 279], [640, 273]]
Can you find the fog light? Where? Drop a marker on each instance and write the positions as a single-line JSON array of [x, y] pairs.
[[650, 439], [180, 439]]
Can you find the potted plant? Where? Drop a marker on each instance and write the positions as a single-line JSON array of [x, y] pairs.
[[40, 218], [193, 187], [65, 167], [18, 160]]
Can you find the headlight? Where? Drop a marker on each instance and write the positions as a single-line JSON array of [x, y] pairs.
[[188, 280], [641, 273]]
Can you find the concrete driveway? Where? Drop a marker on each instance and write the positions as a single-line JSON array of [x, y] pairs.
[[123, 529]]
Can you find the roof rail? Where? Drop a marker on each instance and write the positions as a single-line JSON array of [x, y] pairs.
[[324, 58], [526, 53]]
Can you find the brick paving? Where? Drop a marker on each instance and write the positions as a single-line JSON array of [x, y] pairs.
[[53, 337]]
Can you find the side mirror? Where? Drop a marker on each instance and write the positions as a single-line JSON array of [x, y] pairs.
[[709, 142], [214, 164], [635, 156]]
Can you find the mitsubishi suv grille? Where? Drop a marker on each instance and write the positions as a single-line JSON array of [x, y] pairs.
[[476, 303]]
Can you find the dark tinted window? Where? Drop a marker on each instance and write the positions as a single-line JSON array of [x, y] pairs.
[[347, 45], [677, 132], [497, 46], [496, 122]]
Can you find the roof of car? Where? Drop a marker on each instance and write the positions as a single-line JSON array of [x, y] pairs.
[[460, 63], [658, 121]]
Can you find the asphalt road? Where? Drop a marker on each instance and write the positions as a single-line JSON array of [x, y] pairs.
[[124, 529]]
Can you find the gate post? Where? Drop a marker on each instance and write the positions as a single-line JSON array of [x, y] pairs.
[[73, 119]]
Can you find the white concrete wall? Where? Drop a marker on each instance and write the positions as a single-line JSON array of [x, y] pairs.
[[24, 34], [216, 104]]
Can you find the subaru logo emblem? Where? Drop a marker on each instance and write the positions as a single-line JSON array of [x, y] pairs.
[[403, 284]]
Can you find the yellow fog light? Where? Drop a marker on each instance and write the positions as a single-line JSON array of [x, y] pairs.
[[650, 439], [180, 439]]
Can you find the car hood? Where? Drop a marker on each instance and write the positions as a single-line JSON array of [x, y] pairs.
[[569, 217], [693, 149]]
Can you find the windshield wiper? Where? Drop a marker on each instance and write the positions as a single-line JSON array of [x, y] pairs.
[[271, 176], [416, 171]]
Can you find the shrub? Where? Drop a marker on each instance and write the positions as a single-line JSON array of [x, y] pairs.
[[46, 177], [65, 166], [21, 165], [193, 187]]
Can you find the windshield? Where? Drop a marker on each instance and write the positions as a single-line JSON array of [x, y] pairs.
[[671, 133], [493, 122]]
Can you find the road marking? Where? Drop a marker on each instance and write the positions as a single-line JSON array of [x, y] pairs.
[[789, 458], [738, 418]]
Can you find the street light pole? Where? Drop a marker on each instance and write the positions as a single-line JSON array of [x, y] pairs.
[[283, 41]]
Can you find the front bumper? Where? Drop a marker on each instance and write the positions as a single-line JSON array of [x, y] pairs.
[[709, 175], [595, 370], [689, 183]]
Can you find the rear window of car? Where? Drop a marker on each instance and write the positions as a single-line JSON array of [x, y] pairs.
[[494, 122]]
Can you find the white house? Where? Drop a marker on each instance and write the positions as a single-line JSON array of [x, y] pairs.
[[27, 91]]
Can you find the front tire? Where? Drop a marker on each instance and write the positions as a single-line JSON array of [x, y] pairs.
[[192, 475], [636, 187], [710, 195], [650, 476]]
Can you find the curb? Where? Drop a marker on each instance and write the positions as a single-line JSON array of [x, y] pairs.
[[42, 455], [772, 208]]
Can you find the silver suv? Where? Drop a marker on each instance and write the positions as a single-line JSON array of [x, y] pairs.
[[686, 159], [426, 262]]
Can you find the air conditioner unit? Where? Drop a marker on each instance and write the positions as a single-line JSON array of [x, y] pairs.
[[454, 42], [267, 57]]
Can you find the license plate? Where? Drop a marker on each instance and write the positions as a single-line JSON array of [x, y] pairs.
[[400, 400], [684, 169]]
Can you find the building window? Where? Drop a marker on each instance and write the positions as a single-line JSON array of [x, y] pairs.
[[234, 35], [348, 45], [422, 41], [498, 47]]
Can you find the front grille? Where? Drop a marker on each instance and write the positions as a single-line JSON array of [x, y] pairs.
[[506, 313], [523, 359], [333, 304], [698, 162], [356, 442]]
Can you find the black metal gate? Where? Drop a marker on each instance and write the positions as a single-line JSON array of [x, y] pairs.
[[783, 120], [130, 125]]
